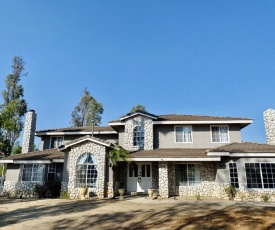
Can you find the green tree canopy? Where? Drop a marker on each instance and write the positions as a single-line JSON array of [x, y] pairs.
[[14, 105], [86, 111], [138, 108]]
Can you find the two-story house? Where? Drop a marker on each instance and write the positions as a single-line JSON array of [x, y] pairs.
[[174, 154]]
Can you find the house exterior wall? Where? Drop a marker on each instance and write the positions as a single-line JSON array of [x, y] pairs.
[[73, 155], [164, 136], [243, 193], [147, 124], [12, 173]]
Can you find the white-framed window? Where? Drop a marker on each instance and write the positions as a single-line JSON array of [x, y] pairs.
[[233, 173], [183, 134], [188, 174], [220, 134], [32, 172], [86, 171], [51, 172], [56, 142], [138, 136], [260, 175]]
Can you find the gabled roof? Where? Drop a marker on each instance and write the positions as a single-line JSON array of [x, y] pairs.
[[83, 139], [243, 149], [145, 114], [189, 119], [76, 130], [49, 155]]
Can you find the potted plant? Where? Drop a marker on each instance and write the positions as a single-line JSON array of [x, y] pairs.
[[83, 192], [121, 190], [151, 193]]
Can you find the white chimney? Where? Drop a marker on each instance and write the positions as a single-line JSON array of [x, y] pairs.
[[269, 120], [29, 130]]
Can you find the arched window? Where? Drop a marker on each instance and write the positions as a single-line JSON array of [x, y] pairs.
[[138, 136], [86, 171]]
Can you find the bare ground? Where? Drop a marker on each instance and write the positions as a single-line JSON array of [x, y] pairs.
[[123, 214]]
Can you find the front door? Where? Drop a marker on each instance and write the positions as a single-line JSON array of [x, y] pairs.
[[139, 176]]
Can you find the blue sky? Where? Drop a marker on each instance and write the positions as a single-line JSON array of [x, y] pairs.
[[185, 57]]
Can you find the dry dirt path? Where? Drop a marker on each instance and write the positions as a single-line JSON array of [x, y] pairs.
[[117, 214]]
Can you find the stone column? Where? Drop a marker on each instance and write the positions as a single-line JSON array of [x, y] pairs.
[[29, 130], [163, 180], [269, 120]]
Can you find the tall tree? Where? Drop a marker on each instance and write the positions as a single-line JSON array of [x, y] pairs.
[[14, 106], [138, 108], [87, 111]]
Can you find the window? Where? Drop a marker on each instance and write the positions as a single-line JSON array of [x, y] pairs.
[[56, 142], [188, 175], [86, 171], [51, 172], [233, 171], [32, 172], [260, 175], [138, 136], [183, 134], [220, 134]]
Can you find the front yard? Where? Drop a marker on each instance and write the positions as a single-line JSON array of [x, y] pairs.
[[125, 214]]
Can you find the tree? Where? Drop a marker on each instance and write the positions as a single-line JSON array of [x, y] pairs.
[[87, 111], [117, 154], [138, 108], [16, 149], [14, 106]]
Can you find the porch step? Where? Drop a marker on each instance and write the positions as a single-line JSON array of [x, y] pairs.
[[136, 193]]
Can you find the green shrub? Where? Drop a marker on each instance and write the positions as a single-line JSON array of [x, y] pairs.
[[230, 191], [198, 196], [64, 195], [39, 190], [265, 197], [49, 189]]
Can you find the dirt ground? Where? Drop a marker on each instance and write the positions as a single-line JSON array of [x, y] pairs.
[[134, 214]]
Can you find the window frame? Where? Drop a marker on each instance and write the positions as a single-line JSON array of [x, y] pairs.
[[140, 132], [51, 172], [233, 169], [260, 176], [85, 168], [56, 142], [175, 134], [219, 126], [33, 172], [198, 183]]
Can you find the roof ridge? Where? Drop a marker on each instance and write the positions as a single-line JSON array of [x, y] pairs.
[[175, 114]]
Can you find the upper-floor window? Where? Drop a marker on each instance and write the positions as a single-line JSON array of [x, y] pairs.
[[32, 172], [138, 136], [220, 133], [56, 142], [183, 134]]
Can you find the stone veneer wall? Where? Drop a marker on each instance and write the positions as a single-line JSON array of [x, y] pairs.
[[147, 124], [99, 152], [163, 179], [29, 130], [269, 120], [20, 188]]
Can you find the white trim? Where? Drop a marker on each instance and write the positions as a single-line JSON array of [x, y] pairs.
[[228, 134], [86, 139], [204, 122], [253, 155], [74, 133], [6, 161], [176, 159], [191, 122], [175, 134], [138, 113], [32, 162], [58, 160], [218, 153]]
